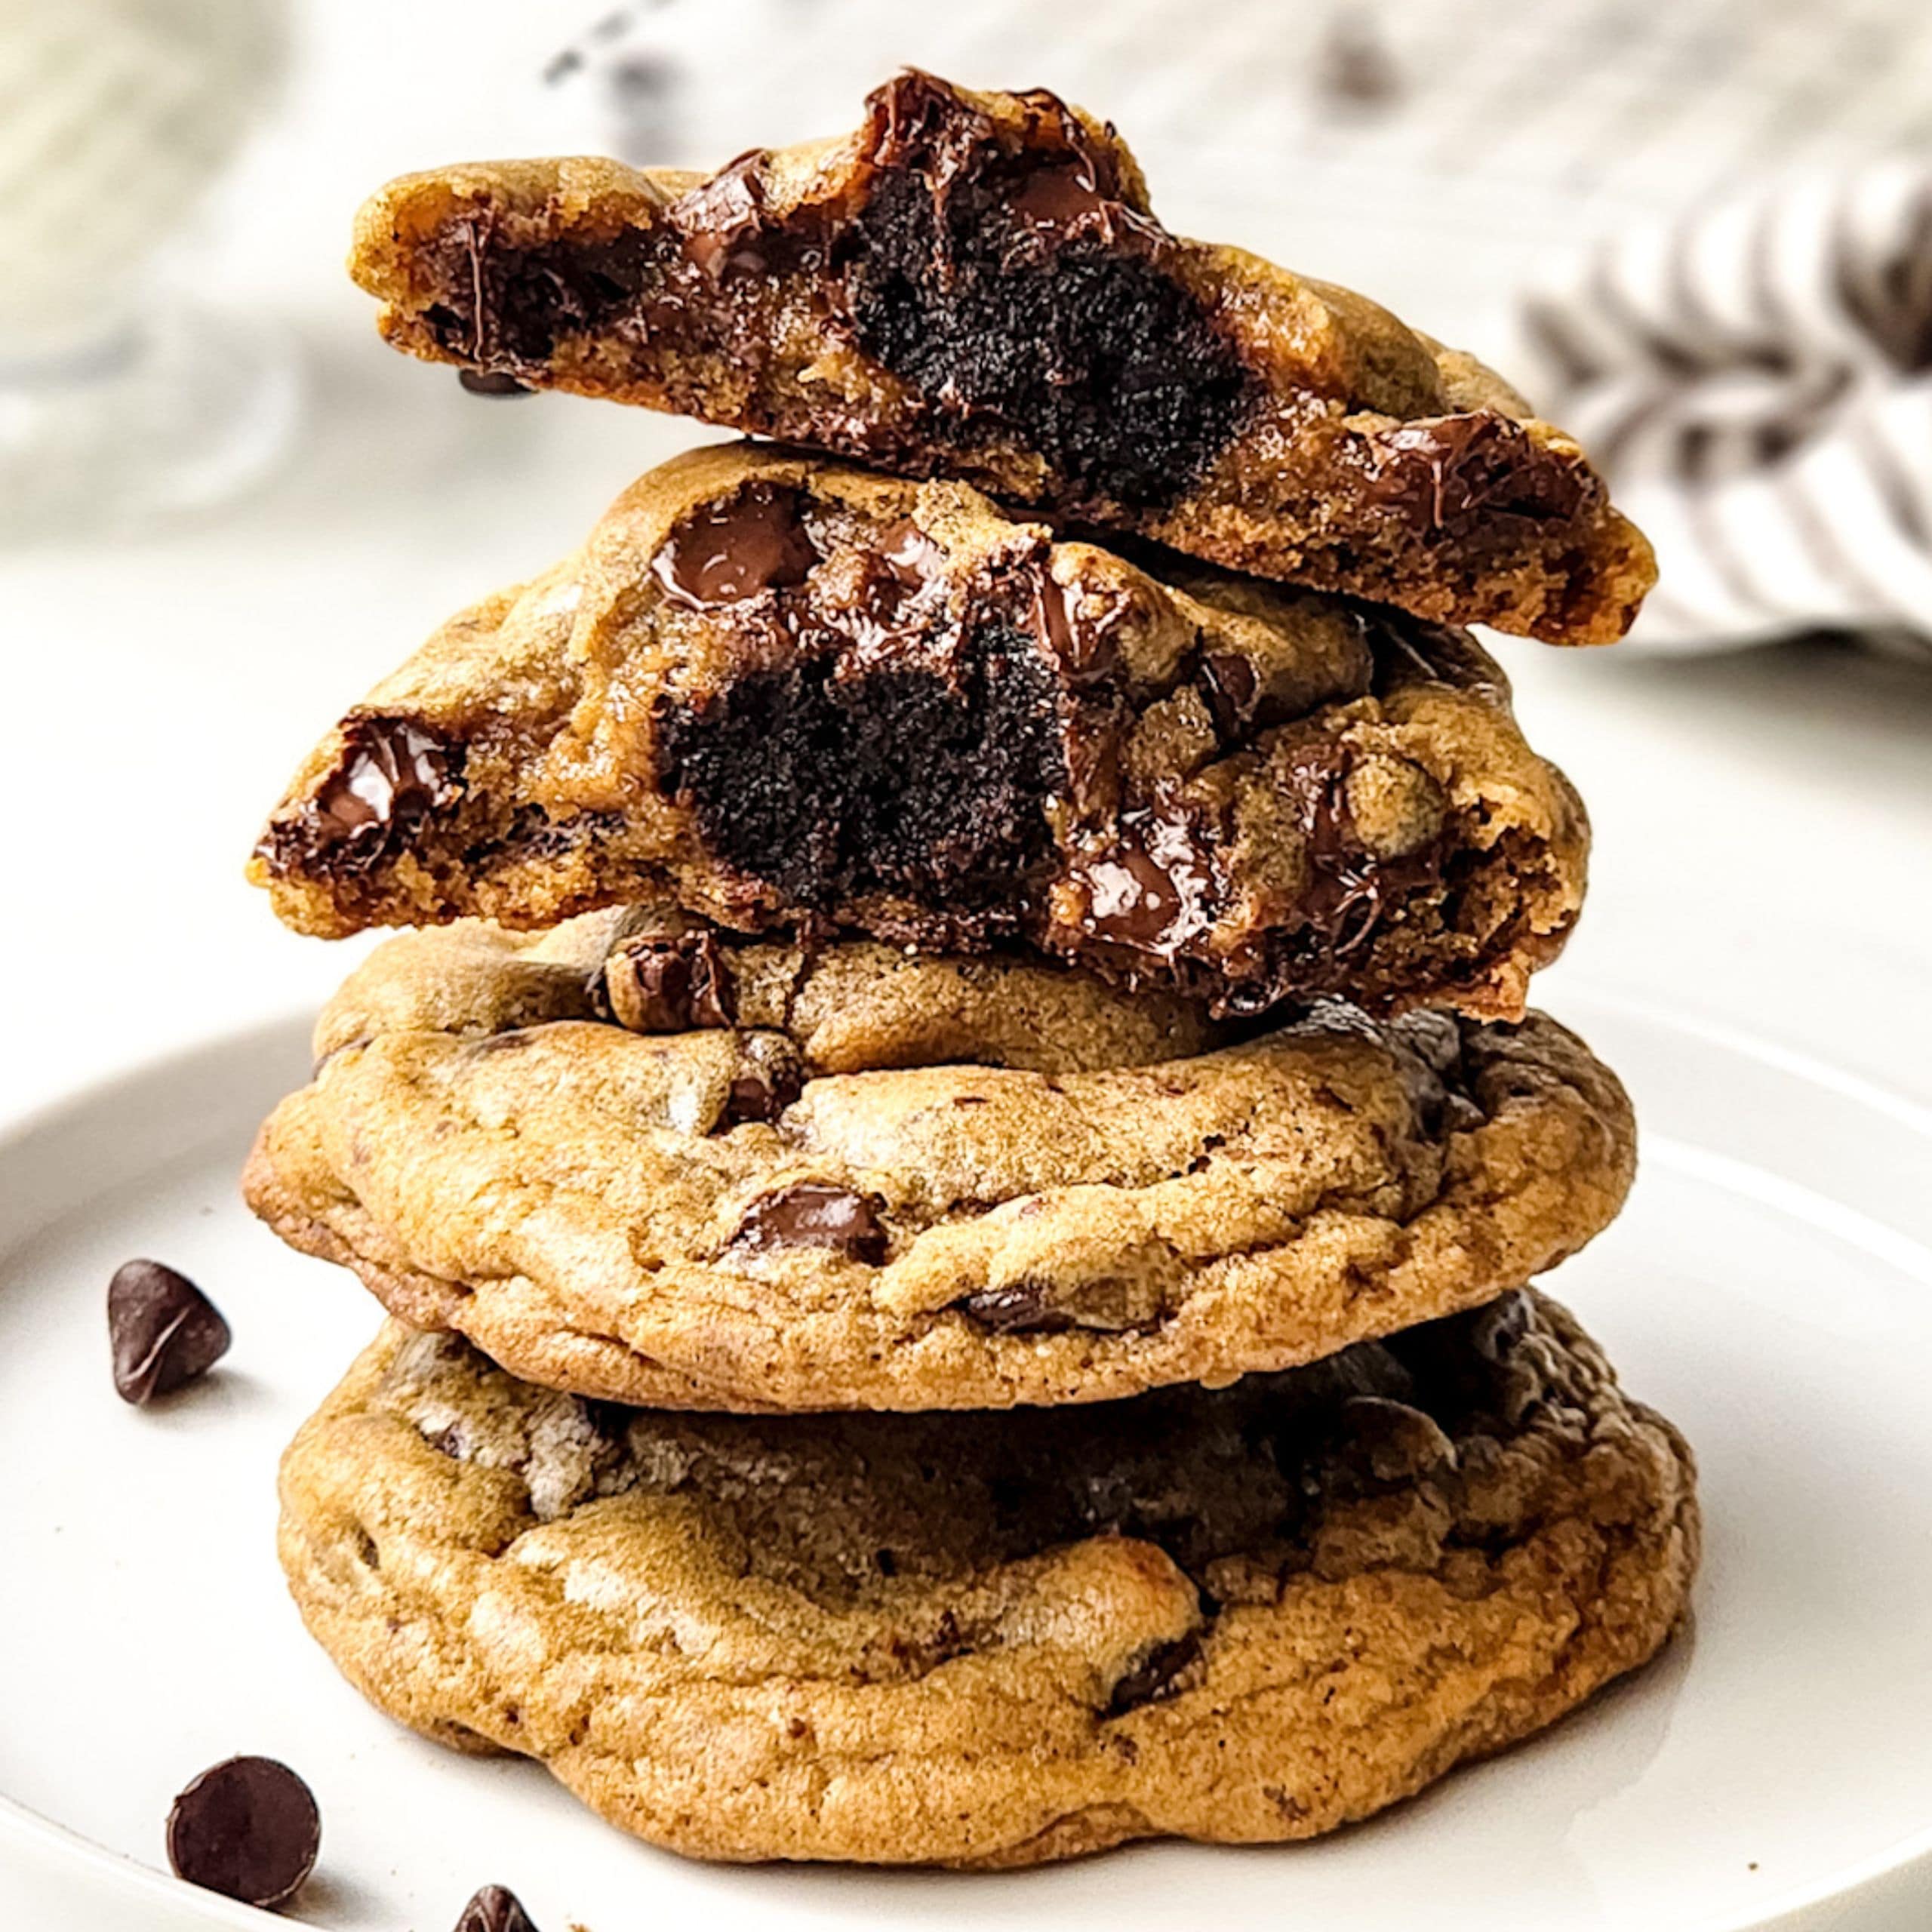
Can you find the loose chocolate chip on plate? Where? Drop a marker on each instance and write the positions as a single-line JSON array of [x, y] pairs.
[[164, 1331], [495, 1908], [246, 1828]]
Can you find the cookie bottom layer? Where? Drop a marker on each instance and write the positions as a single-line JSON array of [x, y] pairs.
[[1242, 1616]]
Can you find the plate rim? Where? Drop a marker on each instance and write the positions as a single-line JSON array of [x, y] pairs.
[[64, 1853]]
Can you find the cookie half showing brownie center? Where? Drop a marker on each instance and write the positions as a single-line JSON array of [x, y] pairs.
[[783, 692]]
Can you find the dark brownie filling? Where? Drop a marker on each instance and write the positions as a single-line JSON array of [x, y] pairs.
[[1015, 290], [894, 745], [928, 784], [1019, 293]]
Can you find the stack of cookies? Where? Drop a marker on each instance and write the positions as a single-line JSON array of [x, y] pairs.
[[955, 1148]]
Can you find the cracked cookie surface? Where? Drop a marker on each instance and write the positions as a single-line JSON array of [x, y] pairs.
[[795, 696], [730, 1217], [974, 285], [1243, 1616]]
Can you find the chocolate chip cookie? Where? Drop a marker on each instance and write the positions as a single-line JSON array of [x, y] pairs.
[[1242, 1616], [974, 285], [792, 695], [715, 1218]]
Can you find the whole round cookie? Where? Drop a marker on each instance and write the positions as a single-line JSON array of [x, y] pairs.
[[794, 695], [1082, 1202], [1243, 1615]]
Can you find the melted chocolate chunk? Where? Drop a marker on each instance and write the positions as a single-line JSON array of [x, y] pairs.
[[505, 309], [1082, 643], [726, 552], [1452, 474], [723, 222], [812, 1214], [763, 1095], [248, 1828], [494, 1908], [669, 982], [1155, 889], [164, 1331], [1231, 687], [930, 783], [392, 775], [1019, 1308], [1019, 294], [898, 601], [1157, 1677], [1350, 888]]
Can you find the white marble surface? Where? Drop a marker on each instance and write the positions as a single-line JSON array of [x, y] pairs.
[[1763, 822]]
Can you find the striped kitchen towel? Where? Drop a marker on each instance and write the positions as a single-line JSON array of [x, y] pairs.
[[1755, 377]]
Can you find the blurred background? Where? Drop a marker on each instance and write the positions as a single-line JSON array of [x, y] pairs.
[[1698, 232]]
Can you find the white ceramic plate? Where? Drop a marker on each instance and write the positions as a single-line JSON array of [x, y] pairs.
[[1770, 1287]]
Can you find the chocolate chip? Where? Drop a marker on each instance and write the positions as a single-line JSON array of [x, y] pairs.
[[1231, 687], [492, 381], [1021, 1307], [246, 1828], [1443, 473], [811, 1214], [392, 774], [1156, 1678], [495, 1908], [660, 983], [164, 1331], [1084, 646], [725, 553], [1350, 889], [763, 1095], [1154, 890], [723, 220]]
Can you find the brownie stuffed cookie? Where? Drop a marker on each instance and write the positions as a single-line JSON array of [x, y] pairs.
[[844, 1179], [794, 696], [1242, 1616], [974, 285]]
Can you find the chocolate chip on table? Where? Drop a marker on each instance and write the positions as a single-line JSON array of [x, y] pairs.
[[492, 381], [164, 1331], [494, 1908], [246, 1828]]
